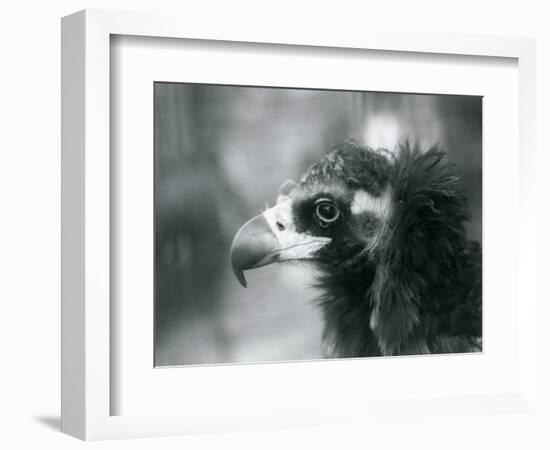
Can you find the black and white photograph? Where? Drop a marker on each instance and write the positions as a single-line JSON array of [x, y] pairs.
[[300, 224], [264, 225]]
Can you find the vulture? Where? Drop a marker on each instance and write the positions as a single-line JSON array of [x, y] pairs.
[[386, 231]]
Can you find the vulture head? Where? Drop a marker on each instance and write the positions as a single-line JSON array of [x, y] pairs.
[[386, 232]]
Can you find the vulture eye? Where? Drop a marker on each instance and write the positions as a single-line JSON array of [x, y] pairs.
[[326, 211]]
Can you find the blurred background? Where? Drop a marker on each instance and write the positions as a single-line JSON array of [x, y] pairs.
[[221, 153]]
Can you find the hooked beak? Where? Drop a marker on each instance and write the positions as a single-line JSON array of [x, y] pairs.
[[253, 246], [271, 237]]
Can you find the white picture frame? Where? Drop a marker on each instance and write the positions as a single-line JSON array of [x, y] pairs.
[[87, 356]]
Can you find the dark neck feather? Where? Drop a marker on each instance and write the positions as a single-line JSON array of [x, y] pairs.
[[346, 307]]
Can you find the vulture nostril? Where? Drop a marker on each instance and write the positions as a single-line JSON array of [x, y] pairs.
[[280, 226]]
